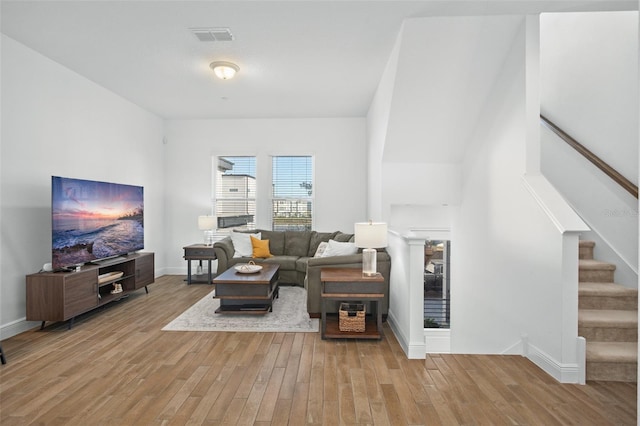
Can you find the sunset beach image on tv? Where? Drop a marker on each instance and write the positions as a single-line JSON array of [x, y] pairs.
[[94, 220]]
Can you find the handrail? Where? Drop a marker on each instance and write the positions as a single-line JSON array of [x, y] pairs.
[[597, 161]]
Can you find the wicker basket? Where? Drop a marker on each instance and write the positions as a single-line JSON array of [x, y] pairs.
[[351, 317]]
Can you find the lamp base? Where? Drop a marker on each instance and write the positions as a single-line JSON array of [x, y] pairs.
[[208, 237], [369, 262]]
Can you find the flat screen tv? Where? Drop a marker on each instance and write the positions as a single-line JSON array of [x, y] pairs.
[[94, 220]]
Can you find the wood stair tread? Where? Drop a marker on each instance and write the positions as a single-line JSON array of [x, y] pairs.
[[607, 318], [612, 352], [586, 243]]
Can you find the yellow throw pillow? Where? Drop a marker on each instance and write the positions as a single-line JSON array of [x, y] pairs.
[[260, 247]]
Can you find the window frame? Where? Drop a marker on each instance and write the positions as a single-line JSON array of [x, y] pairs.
[[249, 201], [309, 200]]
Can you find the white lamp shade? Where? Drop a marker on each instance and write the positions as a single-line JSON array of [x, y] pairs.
[[207, 222], [371, 234]]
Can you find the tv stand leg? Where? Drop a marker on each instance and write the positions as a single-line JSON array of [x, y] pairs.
[[70, 323], [42, 325], [146, 289]]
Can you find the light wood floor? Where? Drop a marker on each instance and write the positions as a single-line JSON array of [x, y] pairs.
[[116, 367]]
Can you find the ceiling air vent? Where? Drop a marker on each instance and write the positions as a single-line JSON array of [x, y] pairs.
[[212, 34]]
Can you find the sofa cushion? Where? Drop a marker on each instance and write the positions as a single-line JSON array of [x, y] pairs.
[[242, 243], [301, 264], [337, 248], [286, 262], [296, 243], [316, 239], [276, 241], [342, 237], [321, 248], [260, 247]]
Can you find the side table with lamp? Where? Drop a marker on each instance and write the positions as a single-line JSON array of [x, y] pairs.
[[201, 252], [355, 285]]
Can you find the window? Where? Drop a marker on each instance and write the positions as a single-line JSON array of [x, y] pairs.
[[292, 193], [235, 182]]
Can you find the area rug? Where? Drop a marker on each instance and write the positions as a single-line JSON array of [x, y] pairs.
[[289, 315]]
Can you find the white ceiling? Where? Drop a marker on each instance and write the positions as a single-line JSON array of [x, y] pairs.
[[296, 58]]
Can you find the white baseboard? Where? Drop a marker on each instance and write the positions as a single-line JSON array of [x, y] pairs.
[[411, 350], [393, 324], [182, 270], [16, 327], [174, 270], [437, 340], [564, 373]]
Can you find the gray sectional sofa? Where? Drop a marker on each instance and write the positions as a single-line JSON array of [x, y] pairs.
[[294, 251]]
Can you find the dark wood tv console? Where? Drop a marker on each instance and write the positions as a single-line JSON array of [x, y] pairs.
[[61, 296]]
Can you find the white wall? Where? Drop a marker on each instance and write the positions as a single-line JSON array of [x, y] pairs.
[[610, 211], [512, 291], [446, 66], [338, 146], [377, 125], [433, 88], [507, 262], [589, 86], [589, 82], [55, 122], [499, 289]]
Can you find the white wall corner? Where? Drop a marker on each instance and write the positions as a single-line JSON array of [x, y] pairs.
[[413, 350], [517, 348], [393, 322], [562, 372], [553, 204]]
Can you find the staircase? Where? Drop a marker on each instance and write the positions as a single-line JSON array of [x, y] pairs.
[[607, 319]]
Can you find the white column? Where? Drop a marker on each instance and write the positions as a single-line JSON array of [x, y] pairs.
[[417, 349]]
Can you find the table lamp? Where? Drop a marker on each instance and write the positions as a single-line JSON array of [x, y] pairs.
[[207, 224], [369, 236]]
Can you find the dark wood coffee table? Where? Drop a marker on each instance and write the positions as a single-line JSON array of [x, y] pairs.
[[247, 293]]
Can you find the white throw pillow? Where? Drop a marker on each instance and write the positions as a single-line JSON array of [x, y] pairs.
[[242, 243], [321, 248], [336, 248]]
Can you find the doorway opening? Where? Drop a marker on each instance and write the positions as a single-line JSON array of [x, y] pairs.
[[437, 284]]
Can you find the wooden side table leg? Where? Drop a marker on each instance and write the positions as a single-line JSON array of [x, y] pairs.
[[2, 358], [323, 319], [378, 317], [188, 272]]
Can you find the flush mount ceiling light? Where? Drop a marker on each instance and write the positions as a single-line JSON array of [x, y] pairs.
[[224, 70]]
